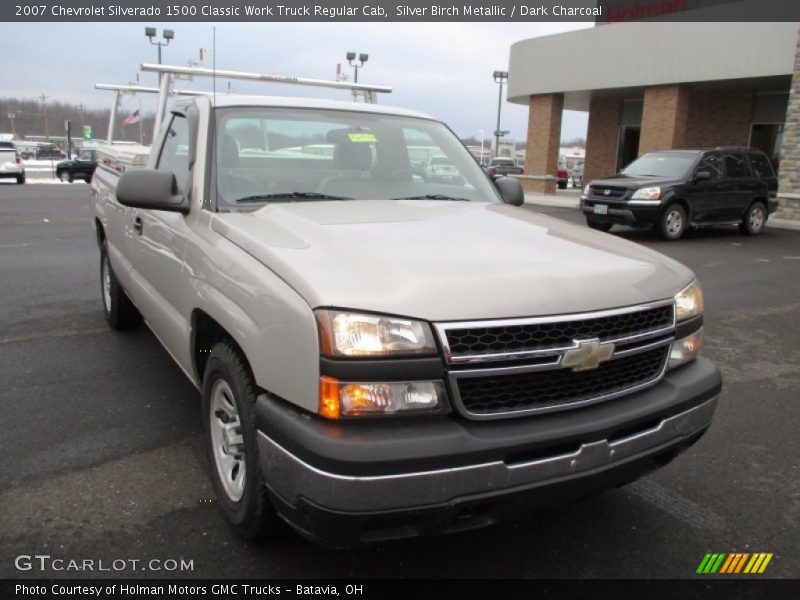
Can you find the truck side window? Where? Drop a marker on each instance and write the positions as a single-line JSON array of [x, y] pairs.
[[174, 155]]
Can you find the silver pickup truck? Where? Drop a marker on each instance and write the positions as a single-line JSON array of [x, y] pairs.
[[381, 356]]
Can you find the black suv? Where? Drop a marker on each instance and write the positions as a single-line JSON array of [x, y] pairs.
[[81, 167], [673, 189]]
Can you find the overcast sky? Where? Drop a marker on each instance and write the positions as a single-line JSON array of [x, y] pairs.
[[444, 69]]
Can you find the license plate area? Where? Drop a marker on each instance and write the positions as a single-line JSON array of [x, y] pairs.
[[600, 209]]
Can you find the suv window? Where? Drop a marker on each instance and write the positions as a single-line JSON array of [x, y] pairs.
[[736, 165], [761, 165], [713, 164], [175, 151]]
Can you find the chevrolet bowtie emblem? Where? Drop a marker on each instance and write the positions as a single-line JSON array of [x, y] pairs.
[[587, 354]]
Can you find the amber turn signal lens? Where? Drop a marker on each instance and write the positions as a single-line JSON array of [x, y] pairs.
[[329, 406]]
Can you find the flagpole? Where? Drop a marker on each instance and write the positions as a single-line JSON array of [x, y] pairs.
[[141, 135]]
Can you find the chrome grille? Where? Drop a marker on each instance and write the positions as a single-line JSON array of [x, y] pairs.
[[513, 339], [508, 367], [541, 390]]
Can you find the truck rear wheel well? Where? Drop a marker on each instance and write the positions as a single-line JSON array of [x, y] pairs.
[[206, 332]]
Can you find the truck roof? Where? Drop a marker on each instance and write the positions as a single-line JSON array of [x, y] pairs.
[[224, 100]]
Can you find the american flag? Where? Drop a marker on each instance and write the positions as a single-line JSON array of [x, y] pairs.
[[134, 118]]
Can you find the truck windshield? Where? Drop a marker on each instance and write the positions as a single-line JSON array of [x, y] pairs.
[[673, 165], [300, 155]]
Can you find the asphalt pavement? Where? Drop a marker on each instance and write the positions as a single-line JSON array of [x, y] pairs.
[[102, 458]]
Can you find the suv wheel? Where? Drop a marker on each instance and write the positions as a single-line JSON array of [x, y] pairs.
[[66, 177], [229, 398], [599, 225], [755, 219], [119, 311], [21, 179], [672, 223]]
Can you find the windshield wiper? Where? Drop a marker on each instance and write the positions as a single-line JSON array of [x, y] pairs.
[[432, 197], [290, 197]]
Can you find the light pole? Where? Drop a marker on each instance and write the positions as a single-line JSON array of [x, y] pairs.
[[480, 132], [362, 58], [168, 35], [499, 77]]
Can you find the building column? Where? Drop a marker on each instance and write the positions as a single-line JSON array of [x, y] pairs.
[[544, 141], [664, 118], [789, 173], [602, 137]]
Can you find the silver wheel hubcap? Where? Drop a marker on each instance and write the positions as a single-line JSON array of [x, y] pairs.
[[106, 277], [227, 441], [65, 176], [756, 219], [674, 222]]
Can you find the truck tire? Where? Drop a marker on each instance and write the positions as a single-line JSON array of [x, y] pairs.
[[755, 219], [672, 223], [229, 398], [118, 309], [65, 176]]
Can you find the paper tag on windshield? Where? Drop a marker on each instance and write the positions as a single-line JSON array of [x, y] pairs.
[[362, 137]]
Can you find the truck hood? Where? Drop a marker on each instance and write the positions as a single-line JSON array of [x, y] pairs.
[[444, 260]]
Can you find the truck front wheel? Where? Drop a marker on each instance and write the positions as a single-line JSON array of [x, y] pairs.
[[229, 398], [117, 307]]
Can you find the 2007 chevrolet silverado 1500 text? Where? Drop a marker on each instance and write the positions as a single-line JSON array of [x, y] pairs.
[[383, 356]]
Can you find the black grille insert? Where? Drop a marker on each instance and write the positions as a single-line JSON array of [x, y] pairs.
[[613, 192], [543, 336], [544, 389]]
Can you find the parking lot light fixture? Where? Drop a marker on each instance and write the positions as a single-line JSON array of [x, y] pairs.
[[362, 58], [167, 34]]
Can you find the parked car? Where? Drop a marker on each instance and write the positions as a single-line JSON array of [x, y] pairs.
[[671, 190], [46, 150], [562, 177], [27, 150], [504, 166], [81, 167], [577, 175], [383, 357], [440, 169], [11, 163]]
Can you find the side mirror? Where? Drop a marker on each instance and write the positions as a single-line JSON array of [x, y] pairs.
[[510, 190], [702, 176], [151, 189]]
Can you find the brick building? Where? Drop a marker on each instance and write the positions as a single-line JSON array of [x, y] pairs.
[[662, 85]]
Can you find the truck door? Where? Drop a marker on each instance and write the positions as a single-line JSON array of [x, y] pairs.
[[156, 250]]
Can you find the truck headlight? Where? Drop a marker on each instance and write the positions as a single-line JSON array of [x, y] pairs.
[[350, 399], [689, 302], [586, 189], [346, 334], [648, 193]]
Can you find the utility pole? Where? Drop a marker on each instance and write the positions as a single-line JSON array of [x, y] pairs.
[[44, 98], [11, 117]]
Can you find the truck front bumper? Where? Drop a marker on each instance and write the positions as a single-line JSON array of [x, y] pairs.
[[345, 484]]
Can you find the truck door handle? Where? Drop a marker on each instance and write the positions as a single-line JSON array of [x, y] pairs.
[[138, 225]]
